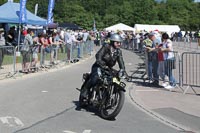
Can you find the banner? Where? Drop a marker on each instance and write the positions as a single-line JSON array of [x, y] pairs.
[[50, 11], [36, 9], [23, 15]]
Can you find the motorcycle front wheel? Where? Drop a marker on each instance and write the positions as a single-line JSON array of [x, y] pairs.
[[112, 106]]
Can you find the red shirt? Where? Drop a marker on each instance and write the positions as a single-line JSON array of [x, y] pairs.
[[24, 32], [160, 54]]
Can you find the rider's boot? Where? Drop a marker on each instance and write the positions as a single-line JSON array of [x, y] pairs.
[[84, 89]]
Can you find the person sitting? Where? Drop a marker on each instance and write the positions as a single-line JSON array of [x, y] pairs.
[[106, 58]]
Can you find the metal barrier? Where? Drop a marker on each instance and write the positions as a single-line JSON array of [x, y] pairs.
[[190, 70], [186, 70], [41, 59], [7, 61], [173, 67]]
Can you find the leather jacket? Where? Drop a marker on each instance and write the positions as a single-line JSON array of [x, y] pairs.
[[105, 58]]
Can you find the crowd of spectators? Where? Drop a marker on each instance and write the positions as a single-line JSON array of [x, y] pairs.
[[51, 41], [65, 40]]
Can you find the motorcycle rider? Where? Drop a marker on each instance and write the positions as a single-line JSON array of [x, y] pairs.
[[106, 58]]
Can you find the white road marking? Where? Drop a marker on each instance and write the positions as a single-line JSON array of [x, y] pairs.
[[19, 122], [68, 132], [87, 131], [11, 121], [44, 91], [147, 90]]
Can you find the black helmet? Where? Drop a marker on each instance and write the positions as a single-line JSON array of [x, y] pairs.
[[116, 38]]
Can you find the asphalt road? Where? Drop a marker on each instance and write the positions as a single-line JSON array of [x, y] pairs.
[[46, 103]]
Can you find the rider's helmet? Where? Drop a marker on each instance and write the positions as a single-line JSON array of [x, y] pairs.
[[115, 38]]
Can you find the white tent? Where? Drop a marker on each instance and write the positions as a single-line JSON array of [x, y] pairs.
[[161, 28], [121, 27]]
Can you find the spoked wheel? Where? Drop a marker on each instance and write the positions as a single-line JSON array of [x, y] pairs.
[[112, 106]]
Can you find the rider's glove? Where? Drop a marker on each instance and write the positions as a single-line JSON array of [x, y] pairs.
[[121, 73]]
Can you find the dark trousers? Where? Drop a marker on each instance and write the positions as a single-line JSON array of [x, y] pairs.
[[91, 82], [155, 70]]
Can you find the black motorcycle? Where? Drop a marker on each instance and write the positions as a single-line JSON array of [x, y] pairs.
[[107, 96]]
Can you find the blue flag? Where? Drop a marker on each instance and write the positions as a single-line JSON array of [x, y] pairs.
[[50, 11], [23, 15]]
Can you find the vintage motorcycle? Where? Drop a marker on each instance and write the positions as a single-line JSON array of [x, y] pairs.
[[107, 96]]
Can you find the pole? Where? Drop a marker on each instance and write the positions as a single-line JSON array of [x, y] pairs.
[[19, 34]]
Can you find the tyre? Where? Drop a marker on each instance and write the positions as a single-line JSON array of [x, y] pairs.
[[112, 106]]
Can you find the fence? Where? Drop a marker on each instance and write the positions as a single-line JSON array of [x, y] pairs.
[[7, 58], [190, 70], [172, 66], [41, 58], [186, 71]]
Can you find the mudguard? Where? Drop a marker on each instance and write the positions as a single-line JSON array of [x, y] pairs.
[[120, 86]]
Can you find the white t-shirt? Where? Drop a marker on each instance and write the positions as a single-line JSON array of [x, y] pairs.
[[168, 44], [2, 40]]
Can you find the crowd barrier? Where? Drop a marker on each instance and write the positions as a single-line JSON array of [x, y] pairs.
[[42, 58], [190, 70], [173, 66], [7, 61], [186, 70]]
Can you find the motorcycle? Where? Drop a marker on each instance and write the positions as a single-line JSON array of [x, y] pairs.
[[107, 95]]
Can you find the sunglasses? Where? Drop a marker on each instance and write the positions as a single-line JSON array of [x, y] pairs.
[[118, 42]]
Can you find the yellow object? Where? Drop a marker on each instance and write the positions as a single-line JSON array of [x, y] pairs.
[[107, 41], [148, 42], [116, 81]]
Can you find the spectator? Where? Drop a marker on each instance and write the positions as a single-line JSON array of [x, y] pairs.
[[85, 38], [198, 37], [153, 62], [91, 39], [28, 41], [186, 37], [44, 47], [12, 35], [24, 32], [2, 43], [180, 35], [161, 65], [54, 43], [35, 50], [169, 60], [68, 44]]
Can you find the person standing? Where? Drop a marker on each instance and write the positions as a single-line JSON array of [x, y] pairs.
[[2, 43], [198, 36], [161, 64], [26, 51], [68, 44], [169, 60], [153, 65]]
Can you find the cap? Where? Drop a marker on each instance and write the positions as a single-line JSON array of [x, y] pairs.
[[151, 34]]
